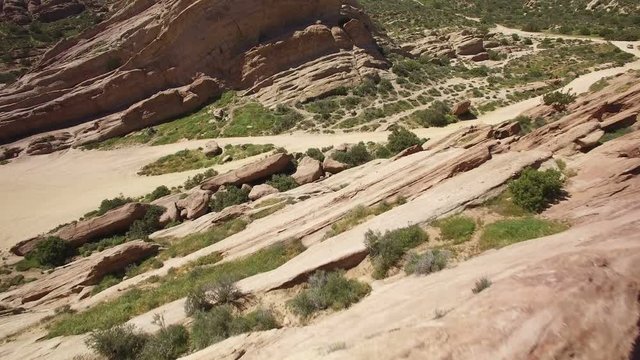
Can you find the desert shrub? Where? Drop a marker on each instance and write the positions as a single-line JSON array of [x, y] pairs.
[[328, 290], [220, 323], [315, 153], [140, 229], [535, 189], [427, 262], [233, 195], [110, 204], [121, 342], [283, 182], [437, 115], [222, 292], [258, 320], [159, 192], [51, 252], [506, 232], [197, 300], [558, 99], [357, 155], [481, 284], [198, 178], [387, 249], [400, 139], [458, 229], [527, 124], [169, 343]]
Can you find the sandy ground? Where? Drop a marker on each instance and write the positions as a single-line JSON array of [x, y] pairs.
[[41, 192]]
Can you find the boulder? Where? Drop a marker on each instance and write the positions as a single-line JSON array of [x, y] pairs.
[[72, 278], [469, 46], [461, 108], [483, 56], [589, 141], [172, 214], [250, 173], [408, 151], [260, 191], [113, 222], [196, 204], [246, 187], [505, 130], [309, 170], [333, 166], [212, 149]]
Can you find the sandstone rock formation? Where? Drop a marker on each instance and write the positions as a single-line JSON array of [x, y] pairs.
[[71, 278], [260, 191], [212, 149], [112, 222], [309, 170], [461, 108], [333, 166], [250, 173], [22, 12], [155, 70], [196, 204]]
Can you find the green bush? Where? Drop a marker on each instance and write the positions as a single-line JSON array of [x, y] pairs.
[[283, 182], [506, 232], [233, 195], [220, 323], [437, 115], [356, 156], [458, 229], [558, 99], [387, 249], [401, 138], [121, 342], [169, 343], [315, 153], [328, 290], [51, 252], [427, 262], [535, 189], [160, 191], [141, 229], [199, 178]]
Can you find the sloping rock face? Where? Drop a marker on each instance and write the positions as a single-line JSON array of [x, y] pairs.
[[72, 278], [153, 61]]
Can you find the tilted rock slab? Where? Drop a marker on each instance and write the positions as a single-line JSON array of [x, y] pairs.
[[72, 278], [249, 173]]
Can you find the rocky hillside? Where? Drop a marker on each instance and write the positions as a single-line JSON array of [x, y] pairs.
[[152, 61]]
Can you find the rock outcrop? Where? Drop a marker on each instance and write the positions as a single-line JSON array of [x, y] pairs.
[[72, 278], [23, 12], [309, 170], [260, 191], [333, 166], [153, 61], [112, 222], [196, 204], [250, 173]]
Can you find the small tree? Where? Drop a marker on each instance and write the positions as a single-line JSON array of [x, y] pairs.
[[401, 138], [534, 189], [232, 196], [283, 182], [52, 251], [558, 99]]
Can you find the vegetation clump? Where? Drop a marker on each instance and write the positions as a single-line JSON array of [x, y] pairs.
[[428, 262], [401, 139], [559, 99], [458, 229], [355, 156], [122, 342], [387, 249], [283, 182], [328, 290], [51, 252], [481, 285], [534, 189], [509, 231], [437, 115], [233, 195]]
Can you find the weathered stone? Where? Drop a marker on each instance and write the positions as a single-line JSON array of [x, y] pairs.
[[249, 173], [260, 191], [309, 170], [72, 278], [408, 151], [333, 166], [461, 108], [212, 149], [196, 204]]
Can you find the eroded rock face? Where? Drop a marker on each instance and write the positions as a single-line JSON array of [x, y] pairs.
[[333, 166], [196, 204], [113, 222], [249, 173], [309, 170], [171, 57], [260, 191], [71, 278]]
